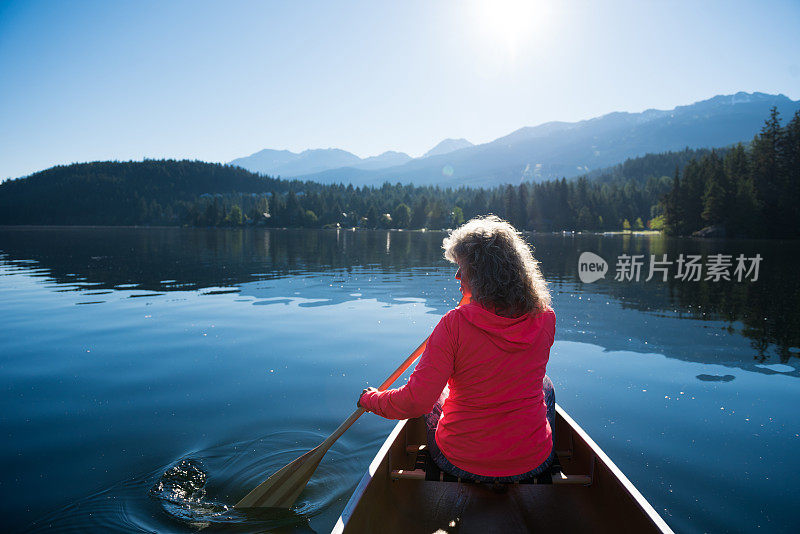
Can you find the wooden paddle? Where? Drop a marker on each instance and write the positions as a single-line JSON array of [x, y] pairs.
[[282, 489]]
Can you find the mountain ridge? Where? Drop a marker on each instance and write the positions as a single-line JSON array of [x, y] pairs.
[[533, 153], [560, 149], [293, 164], [446, 146]]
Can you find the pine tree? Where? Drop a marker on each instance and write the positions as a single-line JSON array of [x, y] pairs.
[[766, 172], [743, 211], [581, 202], [715, 198], [438, 215], [523, 200], [791, 164], [401, 216], [294, 211], [478, 206], [693, 191], [419, 217], [564, 215], [674, 208], [372, 217], [585, 220], [509, 211]]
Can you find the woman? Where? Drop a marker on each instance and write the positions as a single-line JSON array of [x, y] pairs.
[[485, 363]]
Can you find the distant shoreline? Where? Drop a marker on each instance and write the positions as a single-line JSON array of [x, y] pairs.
[[342, 229]]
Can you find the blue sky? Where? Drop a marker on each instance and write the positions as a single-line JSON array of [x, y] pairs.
[[84, 81]]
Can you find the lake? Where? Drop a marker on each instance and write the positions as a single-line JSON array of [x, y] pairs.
[[150, 377]]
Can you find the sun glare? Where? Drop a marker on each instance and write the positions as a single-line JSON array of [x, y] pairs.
[[509, 24]]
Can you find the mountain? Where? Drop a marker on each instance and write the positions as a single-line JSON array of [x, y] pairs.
[[288, 164], [562, 149], [285, 163], [447, 146], [387, 159]]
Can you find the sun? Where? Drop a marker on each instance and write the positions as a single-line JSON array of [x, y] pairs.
[[510, 24]]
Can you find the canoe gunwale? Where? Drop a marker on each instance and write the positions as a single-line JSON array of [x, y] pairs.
[[602, 457], [599, 460], [344, 517]]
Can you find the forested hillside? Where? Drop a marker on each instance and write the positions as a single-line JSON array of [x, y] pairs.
[[120, 193], [641, 168], [749, 191], [194, 193], [746, 191]]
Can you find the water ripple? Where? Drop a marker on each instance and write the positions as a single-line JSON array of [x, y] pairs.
[[197, 492]]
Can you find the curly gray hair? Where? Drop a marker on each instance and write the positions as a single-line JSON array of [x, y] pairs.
[[499, 266]]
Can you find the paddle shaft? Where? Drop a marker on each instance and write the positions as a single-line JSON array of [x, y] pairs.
[[330, 440]]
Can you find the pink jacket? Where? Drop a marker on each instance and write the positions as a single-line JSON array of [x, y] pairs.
[[494, 420]]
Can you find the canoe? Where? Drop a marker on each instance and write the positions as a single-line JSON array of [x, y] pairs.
[[585, 492]]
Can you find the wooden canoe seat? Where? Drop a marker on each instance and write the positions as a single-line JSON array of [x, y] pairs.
[[426, 469]]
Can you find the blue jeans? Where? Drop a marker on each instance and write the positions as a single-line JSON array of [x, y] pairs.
[[432, 421]]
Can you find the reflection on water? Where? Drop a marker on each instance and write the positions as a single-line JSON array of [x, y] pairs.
[[764, 311], [151, 377], [167, 259], [158, 261], [715, 378]]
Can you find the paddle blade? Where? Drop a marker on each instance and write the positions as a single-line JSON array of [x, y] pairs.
[[282, 489]]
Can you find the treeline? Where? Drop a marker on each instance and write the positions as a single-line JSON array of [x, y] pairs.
[[123, 193], [626, 197], [194, 193], [552, 205], [749, 191], [746, 191]]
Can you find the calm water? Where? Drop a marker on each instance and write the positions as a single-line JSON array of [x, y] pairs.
[[149, 378]]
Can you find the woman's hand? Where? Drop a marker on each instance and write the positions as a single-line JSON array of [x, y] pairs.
[[358, 402]]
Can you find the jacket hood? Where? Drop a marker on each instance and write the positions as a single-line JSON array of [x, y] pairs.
[[510, 334]]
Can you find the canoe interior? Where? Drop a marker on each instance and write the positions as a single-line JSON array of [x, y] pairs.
[[609, 504]]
